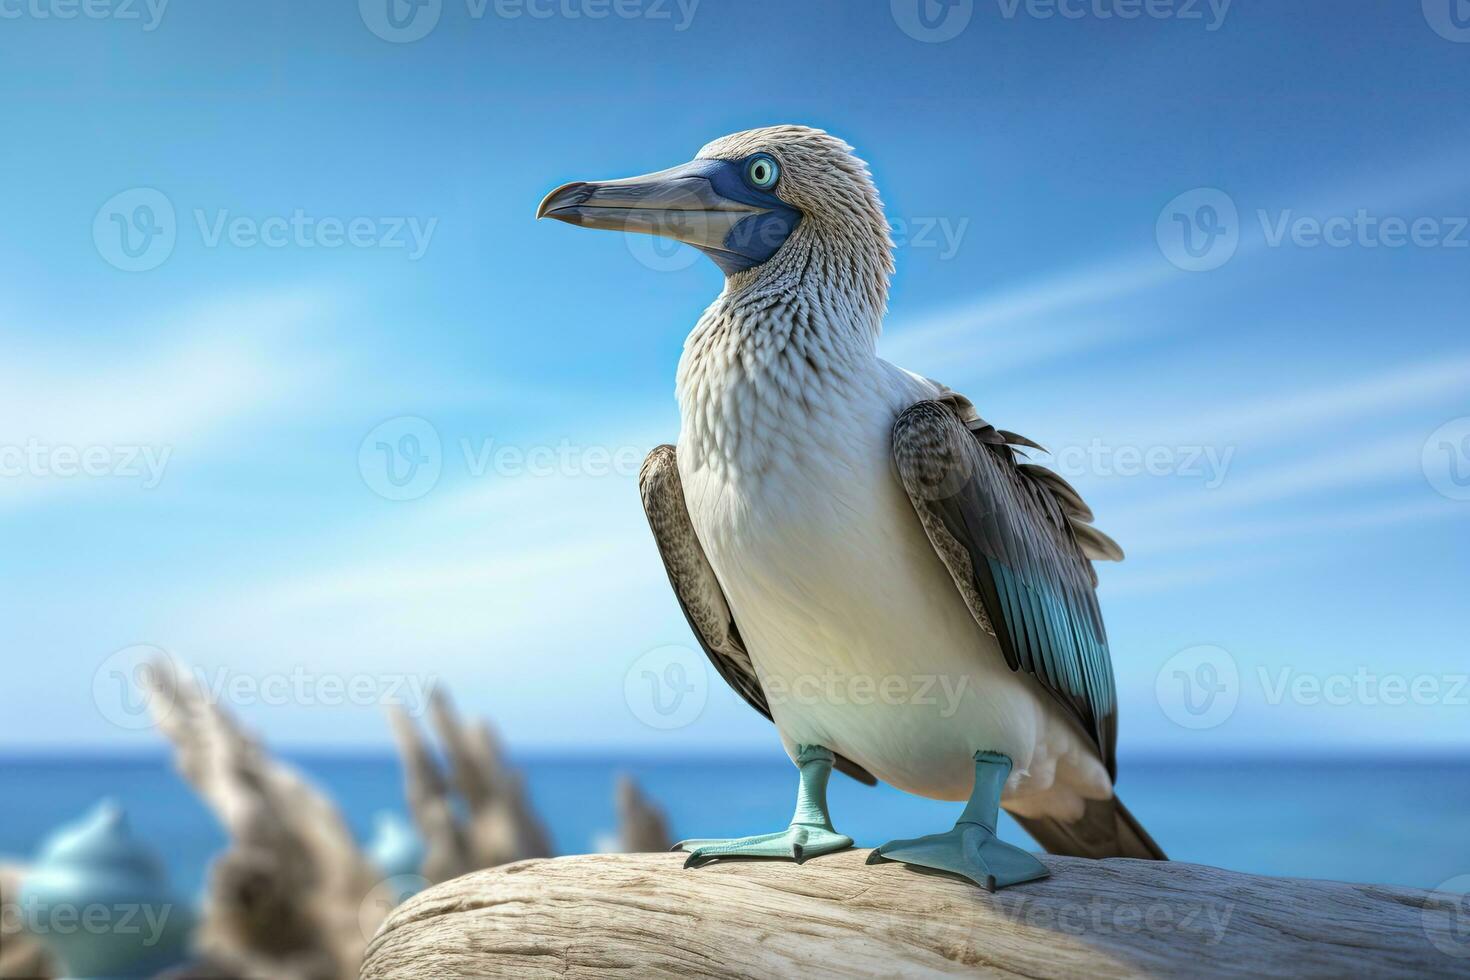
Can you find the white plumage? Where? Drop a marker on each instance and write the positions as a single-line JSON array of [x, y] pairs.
[[838, 592], [862, 558]]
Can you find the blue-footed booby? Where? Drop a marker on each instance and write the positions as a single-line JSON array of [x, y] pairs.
[[867, 562]]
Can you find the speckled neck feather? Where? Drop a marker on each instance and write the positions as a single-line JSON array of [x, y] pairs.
[[788, 338]]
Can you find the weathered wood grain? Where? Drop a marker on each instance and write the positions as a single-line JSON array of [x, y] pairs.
[[638, 915]]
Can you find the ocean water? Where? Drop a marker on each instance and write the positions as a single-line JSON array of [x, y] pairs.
[[1386, 820]]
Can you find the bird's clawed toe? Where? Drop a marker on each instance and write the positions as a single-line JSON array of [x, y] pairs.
[[798, 843], [968, 850]]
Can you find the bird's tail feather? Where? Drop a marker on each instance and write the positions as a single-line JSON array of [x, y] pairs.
[[1106, 830]]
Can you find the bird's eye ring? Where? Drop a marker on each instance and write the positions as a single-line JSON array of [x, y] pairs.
[[762, 172]]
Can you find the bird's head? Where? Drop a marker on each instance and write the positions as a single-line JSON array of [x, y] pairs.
[[747, 201]]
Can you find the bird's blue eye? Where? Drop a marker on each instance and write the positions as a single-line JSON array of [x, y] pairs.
[[762, 172]]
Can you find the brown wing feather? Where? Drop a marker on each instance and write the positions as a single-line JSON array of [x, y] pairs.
[[1016, 541]]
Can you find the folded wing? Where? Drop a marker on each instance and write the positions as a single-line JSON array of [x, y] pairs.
[[697, 589], [1016, 539]]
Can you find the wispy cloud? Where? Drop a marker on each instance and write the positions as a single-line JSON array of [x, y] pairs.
[[941, 336], [1280, 416], [1060, 314], [1388, 513], [1211, 545], [1301, 452], [210, 367]]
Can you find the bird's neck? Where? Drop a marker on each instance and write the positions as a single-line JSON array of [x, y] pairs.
[[784, 344], [824, 267]]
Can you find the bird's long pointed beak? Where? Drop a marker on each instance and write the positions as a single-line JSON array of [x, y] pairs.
[[680, 203]]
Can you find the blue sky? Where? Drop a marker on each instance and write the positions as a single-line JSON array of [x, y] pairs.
[[1265, 438]]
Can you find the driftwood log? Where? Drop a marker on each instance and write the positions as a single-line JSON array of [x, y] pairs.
[[21, 954], [286, 899], [642, 825], [491, 822], [637, 915]]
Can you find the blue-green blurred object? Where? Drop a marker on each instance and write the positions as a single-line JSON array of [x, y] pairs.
[[98, 899], [397, 850]]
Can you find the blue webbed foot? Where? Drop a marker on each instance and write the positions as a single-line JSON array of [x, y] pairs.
[[968, 850], [796, 843], [809, 835], [971, 848]]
